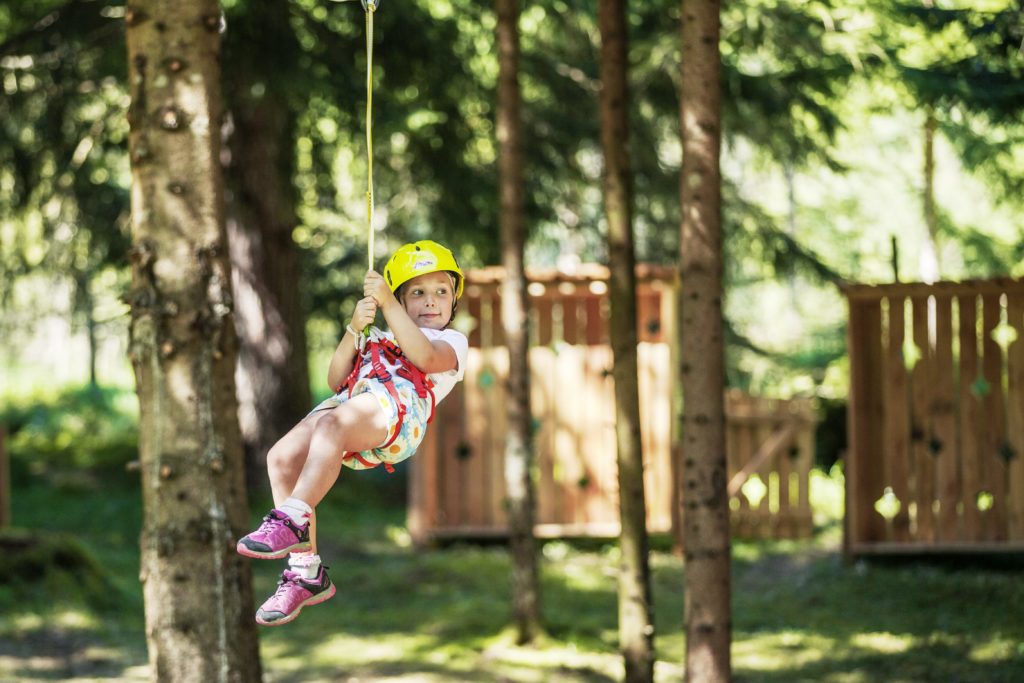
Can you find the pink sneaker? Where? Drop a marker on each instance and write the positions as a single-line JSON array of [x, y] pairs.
[[277, 536], [293, 593]]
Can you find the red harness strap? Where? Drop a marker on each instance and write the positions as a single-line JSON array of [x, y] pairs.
[[379, 371]]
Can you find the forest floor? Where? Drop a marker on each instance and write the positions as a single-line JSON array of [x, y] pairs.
[[800, 612]]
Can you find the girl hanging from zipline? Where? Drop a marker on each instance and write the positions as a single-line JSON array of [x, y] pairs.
[[387, 386]]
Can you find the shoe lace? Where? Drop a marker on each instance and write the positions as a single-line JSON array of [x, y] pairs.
[[282, 585], [267, 525]]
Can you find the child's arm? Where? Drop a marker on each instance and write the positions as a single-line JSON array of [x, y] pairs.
[[428, 356], [343, 359]]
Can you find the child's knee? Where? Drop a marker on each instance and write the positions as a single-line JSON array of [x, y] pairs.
[[281, 458]]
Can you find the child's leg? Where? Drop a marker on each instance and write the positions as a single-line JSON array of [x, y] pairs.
[[304, 465], [287, 457], [357, 425], [284, 463]]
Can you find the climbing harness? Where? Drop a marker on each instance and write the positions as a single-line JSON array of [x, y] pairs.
[[386, 361]]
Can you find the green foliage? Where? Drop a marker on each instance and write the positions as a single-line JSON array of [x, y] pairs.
[[66, 433], [54, 564], [807, 86]]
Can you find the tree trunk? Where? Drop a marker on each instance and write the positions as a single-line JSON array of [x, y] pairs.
[[261, 55], [197, 590], [705, 500], [273, 367], [518, 440], [636, 624], [930, 268]]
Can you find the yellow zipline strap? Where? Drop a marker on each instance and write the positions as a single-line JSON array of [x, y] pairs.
[[370, 6]]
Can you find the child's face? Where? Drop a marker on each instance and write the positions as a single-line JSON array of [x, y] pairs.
[[428, 299]]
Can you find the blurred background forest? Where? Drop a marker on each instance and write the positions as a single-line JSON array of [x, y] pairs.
[[864, 141], [831, 110]]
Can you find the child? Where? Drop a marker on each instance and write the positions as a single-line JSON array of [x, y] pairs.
[[385, 387]]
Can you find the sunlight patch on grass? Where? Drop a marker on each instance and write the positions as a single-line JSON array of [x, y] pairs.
[[887, 643], [399, 535], [343, 649], [549, 654], [997, 650], [779, 651], [27, 622]]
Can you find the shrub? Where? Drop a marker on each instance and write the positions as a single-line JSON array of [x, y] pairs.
[[80, 429]]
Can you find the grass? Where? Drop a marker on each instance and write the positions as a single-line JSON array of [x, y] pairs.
[[799, 612]]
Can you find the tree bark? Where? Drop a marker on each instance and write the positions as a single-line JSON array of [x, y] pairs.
[[929, 259], [705, 501], [636, 624], [197, 590], [519, 456]]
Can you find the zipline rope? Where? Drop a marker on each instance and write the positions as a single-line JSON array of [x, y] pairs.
[[370, 6]]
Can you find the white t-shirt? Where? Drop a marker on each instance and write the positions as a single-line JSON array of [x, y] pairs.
[[444, 382]]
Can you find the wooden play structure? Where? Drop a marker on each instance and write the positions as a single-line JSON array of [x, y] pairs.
[[457, 484], [936, 418]]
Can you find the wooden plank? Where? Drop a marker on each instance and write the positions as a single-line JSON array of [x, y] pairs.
[[970, 417], [778, 440], [495, 328], [606, 469], [921, 427], [943, 419], [670, 325], [598, 452], [994, 424], [1015, 417], [478, 433], [497, 361], [655, 422], [987, 547], [543, 311], [648, 319], [542, 408], [597, 330], [417, 519], [469, 448], [866, 478], [784, 522], [572, 311], [473, 306], [992, 286], [570, 419], [897, 418], [854, 522], [760, 513], [741, 451], [805, 463], [450, 474]]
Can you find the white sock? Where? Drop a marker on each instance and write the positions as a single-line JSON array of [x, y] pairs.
[[306, 565], [298, 510]]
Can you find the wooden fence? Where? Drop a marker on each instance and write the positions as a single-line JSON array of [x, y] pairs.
[[457, 482], [936, 417]]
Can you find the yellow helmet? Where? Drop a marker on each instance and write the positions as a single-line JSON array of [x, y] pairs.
[[420, 258]]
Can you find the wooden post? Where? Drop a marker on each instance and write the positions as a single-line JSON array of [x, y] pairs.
[[970, 418], [5, 482], [942, 412], [1015, 418], [897, 418]]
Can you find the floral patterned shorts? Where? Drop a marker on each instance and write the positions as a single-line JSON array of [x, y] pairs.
[[413, 428]]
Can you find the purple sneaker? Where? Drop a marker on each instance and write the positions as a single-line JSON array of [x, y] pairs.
[[293, 593], [276, 537]]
